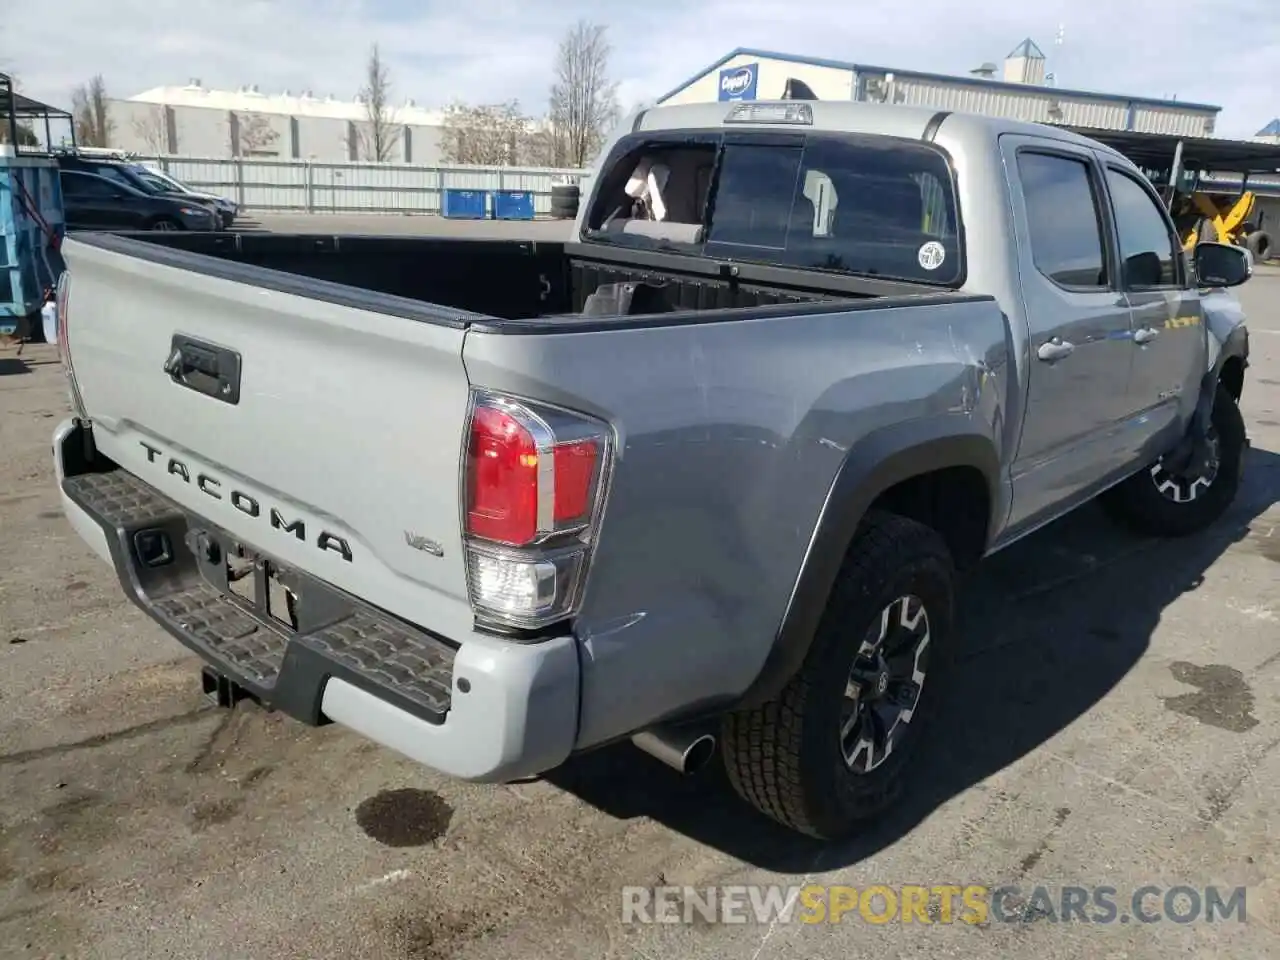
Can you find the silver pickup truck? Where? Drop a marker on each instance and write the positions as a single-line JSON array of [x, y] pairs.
[[703, 476]]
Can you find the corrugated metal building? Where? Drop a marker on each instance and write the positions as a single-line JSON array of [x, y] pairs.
[[195, 121], [1023, 92], [1270, 133]]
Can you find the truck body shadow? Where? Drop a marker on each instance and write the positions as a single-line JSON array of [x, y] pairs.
[[1046, 629], [9, 366]]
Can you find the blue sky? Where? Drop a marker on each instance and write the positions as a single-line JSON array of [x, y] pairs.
[[1225, 52]]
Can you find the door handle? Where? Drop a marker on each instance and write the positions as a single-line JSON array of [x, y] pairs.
[[1145, 335], [1055, 349]]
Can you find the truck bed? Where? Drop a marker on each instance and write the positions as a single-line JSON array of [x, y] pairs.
[[324, 425], [468, 279]]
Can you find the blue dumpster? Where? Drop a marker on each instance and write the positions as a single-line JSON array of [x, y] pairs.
[[464, 204], [31, 230], [513, 205]]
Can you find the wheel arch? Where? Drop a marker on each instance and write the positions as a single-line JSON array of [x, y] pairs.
[[1231, 375], [1232, 359], [942, 473]]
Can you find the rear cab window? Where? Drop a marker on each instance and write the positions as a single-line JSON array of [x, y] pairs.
[[872, 206]]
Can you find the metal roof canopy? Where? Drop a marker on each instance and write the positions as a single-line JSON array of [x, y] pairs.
[[967, 82], [1206, 154], [14, 107]]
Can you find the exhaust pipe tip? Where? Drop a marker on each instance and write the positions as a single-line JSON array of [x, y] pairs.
[[686, 751], [699, 753]]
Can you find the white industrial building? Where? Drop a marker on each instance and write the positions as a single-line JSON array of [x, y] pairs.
[[1020, 89], [196, 121]]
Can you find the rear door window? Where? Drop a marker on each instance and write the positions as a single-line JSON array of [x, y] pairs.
[[1064, 220], [82, 185], [116, 174]]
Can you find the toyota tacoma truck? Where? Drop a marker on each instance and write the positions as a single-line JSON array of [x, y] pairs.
[[702, 476]]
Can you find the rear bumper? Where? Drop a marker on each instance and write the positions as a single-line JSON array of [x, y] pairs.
[[483, 709]]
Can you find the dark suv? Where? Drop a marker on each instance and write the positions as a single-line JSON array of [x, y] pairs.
[[94, 202], [120, 172]]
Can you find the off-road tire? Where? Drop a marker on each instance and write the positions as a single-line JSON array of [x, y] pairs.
[[1259, 244], [1138, 504], [785, 757]]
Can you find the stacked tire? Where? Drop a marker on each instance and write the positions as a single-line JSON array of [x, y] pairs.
[[564, 200], [1259, 244]]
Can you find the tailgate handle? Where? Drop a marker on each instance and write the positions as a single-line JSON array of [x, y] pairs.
[[205, 368]]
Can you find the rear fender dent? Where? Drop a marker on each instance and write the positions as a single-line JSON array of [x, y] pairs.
[[872, 466]]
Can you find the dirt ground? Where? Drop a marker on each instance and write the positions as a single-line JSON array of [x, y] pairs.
[[1115, 721]]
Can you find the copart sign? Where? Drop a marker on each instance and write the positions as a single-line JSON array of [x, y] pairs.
[[739, 83]]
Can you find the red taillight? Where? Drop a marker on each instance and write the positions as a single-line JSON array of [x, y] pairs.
[[522, 483], [532, 478], [502, 479], [575, 476]]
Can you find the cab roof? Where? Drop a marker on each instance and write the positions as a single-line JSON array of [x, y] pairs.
[[849, 116]]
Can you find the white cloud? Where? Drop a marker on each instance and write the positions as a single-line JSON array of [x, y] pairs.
[[1225, 53]]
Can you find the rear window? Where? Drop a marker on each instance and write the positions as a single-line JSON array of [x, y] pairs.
[[870, 206]]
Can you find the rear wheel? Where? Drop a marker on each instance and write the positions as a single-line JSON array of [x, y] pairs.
[[833, 748], [1164, 502]]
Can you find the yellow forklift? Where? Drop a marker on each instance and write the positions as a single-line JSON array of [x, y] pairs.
[[1188, 170], [1216, 216]]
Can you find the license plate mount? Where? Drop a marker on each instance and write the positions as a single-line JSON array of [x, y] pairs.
[[271, 592]]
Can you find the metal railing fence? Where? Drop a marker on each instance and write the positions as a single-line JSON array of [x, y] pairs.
[[308, 186]]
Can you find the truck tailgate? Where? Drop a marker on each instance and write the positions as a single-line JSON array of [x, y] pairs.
[[336, 451]]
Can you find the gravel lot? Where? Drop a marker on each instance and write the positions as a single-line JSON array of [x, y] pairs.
[[1115, 721]]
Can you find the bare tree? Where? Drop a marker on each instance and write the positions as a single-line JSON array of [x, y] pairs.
[[496, 135], [91, 113], [25, 135], [256, 133], [152, 128], [584, 101], [542, 148], [379, 134]]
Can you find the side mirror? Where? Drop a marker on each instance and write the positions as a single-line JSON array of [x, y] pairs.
[[1222, 265]]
